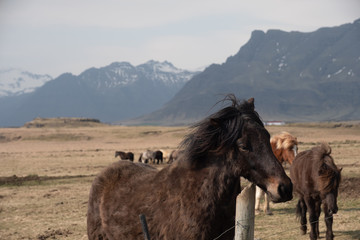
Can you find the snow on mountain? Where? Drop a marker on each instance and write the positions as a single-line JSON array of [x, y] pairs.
[[121, 74], [165, 72], [15, 82]]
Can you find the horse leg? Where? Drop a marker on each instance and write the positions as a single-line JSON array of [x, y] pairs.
[[259, 193], [313, 219], [267, 205], [329, 223], [301, 212], [317, 211]]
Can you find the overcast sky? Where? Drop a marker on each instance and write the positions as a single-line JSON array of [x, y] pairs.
[[57, 36]]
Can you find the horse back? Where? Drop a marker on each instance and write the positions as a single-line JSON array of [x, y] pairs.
[[302, 172], [110, 193]]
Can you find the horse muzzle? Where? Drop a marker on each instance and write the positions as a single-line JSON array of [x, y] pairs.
[[280, 192]]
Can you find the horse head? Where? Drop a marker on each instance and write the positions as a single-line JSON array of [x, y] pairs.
[[329, 180], [237, 135], [263, 167]]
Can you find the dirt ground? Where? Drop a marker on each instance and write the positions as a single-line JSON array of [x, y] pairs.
[[46, 174]]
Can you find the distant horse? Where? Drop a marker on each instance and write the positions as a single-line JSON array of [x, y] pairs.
[[146, 156], [157, 156], [193, 198], [174, 155], [316, 179], [165, 155], [284, 147], [125, 155]]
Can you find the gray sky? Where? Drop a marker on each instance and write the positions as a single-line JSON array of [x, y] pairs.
[[57, 36]]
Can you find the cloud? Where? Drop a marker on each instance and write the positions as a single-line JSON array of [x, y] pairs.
[[61, 35]]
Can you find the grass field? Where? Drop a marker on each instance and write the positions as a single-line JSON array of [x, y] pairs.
[[46, 175]]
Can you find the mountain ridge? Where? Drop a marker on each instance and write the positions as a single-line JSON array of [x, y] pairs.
[[293, 76], [109, 93]]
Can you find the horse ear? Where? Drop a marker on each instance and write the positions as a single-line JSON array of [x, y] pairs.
[[251, 102], [340, 169]]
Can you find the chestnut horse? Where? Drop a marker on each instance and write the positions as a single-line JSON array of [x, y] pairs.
[[316, 179], [195, 196], [125, 155], [285, 148]]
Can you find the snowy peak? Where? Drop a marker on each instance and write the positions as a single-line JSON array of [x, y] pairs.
[[15, 82], [165, 73], [123, 74]]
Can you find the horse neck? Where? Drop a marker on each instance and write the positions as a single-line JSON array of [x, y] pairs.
[[213, 184]]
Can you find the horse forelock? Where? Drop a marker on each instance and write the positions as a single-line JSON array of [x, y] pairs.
[[218, 133]]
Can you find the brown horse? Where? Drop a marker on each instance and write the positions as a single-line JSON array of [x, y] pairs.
[[125, 155], [285, 148], [194, 197], [316, 179], [174, 155]]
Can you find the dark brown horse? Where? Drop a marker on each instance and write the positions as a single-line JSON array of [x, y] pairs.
[[125, 155], [285, 149], [193, 198], [316, 179]]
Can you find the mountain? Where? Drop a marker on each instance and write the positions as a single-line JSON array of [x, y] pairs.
[[111, 93], [15, 82], [294, 76]]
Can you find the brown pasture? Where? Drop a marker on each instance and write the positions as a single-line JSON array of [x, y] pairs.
[[46, 174]]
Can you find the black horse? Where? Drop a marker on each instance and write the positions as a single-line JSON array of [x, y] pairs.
[[158, 156]]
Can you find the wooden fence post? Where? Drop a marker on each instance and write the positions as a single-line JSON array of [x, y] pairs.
[[245, 214]]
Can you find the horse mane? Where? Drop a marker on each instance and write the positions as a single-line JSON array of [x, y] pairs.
[[284, 140], [329, 174], [218, 134]]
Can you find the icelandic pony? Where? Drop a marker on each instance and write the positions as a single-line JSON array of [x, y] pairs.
[[125, 155], [146, 156], [174, 155], [316, 179], [285, 149], [165, 155], [157, 156], [194, 197]]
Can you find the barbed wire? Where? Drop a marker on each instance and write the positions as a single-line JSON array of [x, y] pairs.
[[245, 227]]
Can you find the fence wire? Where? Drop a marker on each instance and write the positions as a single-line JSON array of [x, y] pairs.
[[268, 236]]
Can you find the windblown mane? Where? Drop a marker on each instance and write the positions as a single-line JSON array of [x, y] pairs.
[[218, 134], [329, 174], [284, 140]]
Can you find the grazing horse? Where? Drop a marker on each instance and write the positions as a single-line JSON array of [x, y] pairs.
[[125, 155], [157, 156], [316, 179], [146, 156], [174, 155], [165, 155], [284, 147], [195, 197]]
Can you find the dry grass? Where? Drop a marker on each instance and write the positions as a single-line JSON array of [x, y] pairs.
[[55, 207]]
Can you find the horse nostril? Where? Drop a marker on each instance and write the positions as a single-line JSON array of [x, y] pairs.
[[285, 191]]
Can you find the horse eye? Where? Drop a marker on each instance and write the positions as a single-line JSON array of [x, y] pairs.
[[243, 146]]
